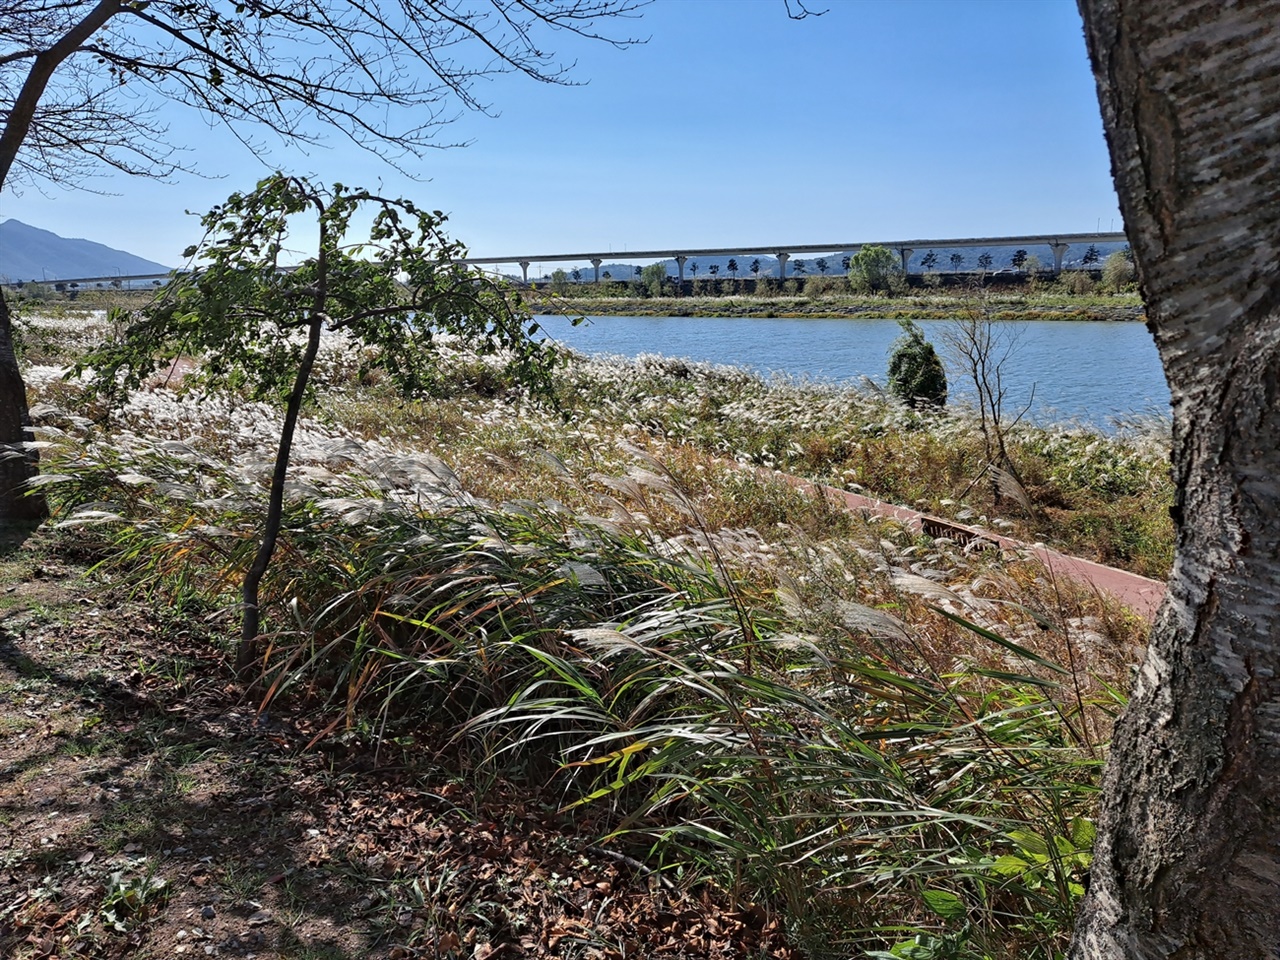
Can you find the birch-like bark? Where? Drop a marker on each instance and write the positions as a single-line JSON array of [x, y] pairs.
[[1188, 859]]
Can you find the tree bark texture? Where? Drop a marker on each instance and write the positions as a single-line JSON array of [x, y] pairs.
[[1188, 859], [15, 422], [17, 464]]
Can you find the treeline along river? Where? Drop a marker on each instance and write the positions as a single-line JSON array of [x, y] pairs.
[[1092, 373]]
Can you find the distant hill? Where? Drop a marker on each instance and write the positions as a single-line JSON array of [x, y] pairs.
[[29, 253]]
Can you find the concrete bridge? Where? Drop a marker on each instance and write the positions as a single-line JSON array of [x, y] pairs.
[[115, 280], [1058, 244]]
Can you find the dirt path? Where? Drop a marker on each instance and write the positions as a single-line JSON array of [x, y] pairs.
[[1140, 594]]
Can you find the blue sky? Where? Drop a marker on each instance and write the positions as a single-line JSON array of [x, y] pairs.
[[883, 119]]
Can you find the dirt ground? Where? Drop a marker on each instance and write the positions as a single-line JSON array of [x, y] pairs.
[[148, 810]]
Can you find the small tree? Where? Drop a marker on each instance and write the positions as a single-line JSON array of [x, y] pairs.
[[559, 281], [693, 268], [985, 261], [957, 261], [929, 260], [577, 275], [1091, 256], [733, 268], [875, 269], [755, 267], [798, 266], [822, 265], [653, 277], [981, 348], [1018, 259], [916, 375], [844, 263], [714, 269], [258, 328]]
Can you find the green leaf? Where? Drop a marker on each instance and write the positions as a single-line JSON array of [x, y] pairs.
[[946, 905], [1010, 866], [1083, 833], [1029, 842]]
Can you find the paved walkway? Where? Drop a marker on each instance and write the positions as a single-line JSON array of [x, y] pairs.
[[1142, 595]]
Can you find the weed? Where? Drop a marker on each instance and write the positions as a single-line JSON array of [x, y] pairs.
[[131, 898]]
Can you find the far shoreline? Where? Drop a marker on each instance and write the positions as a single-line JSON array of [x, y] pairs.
[[1124, 309]]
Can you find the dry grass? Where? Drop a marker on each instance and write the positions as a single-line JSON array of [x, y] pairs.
[[856, 726]]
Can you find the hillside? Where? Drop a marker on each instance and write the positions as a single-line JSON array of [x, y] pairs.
[[29, 253]]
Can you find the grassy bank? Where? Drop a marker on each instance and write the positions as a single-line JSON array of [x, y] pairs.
[[833, 734], [1048, 302]]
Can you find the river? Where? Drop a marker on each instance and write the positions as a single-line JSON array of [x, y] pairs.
[[1094, 373]]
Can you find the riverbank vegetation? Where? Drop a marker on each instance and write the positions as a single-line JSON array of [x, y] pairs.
[[872, 284], [1076, 295], [829, 297], [595, 639]]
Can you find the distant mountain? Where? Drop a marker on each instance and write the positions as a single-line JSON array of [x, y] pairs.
[[29, 253]]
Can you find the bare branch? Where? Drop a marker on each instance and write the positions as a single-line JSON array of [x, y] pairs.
[[799, 11], [386, 75]]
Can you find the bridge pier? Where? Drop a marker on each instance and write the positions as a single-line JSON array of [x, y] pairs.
[[904, 254], [680, 260], [524, 269], [782, 265], [595, 262], [1059, 250]]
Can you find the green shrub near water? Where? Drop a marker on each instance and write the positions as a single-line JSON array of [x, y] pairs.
[[876, 269], [916, 375]]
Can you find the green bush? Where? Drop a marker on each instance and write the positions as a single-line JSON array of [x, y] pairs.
[[653, 277], [876, 269], [915, 373]]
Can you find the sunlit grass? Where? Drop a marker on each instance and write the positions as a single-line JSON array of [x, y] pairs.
[[880, 735]]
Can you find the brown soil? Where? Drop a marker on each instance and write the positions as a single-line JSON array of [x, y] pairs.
[[147, 809]]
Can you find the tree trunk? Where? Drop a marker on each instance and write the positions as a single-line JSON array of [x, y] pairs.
[[15, 421], [1188, 859], [249, 593], [17, 465], [252, 616]]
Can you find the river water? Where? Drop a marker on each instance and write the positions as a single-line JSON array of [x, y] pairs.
[[1094, 373]]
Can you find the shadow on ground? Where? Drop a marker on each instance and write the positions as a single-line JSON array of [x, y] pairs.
[[147, 809]]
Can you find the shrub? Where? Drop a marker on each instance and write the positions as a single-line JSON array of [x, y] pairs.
[[1116, 272], [653, 277], [818, 286], [1077, 282], [875, 269], [915, 373]]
